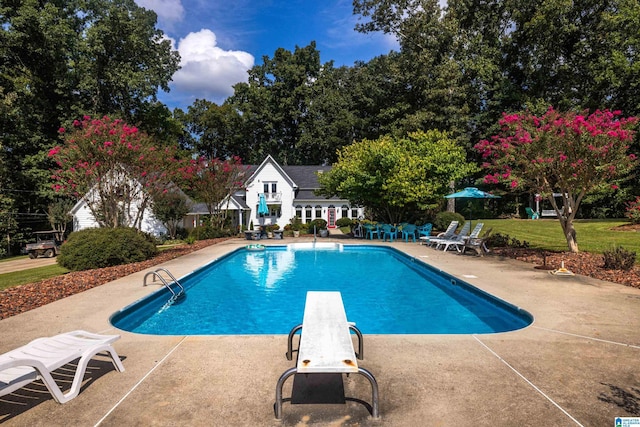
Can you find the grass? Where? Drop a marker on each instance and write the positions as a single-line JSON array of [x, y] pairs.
[[592, 235], [13, 258], [31, 275]]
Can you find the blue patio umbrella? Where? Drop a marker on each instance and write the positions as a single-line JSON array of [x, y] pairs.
[[471, 193], [263, 210]]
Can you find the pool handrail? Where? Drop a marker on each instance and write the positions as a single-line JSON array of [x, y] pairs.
[[157, 274]]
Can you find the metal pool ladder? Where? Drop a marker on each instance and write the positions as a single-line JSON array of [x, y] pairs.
[[175, 295]]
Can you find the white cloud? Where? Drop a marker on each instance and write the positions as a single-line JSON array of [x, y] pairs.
[[208, 71], [167, 10]]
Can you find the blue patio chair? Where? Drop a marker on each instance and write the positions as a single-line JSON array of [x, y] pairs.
[[371, 230], [531, 214], [409, 232], [424, 232], [389, 231]]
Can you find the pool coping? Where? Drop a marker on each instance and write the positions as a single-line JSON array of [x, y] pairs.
[[572, 366]]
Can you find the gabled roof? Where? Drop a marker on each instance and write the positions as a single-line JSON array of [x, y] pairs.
[[269, 160], [304, 179]]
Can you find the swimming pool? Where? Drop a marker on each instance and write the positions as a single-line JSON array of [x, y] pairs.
[[384, 291]]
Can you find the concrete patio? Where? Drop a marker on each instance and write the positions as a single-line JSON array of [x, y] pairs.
[[577, 364]]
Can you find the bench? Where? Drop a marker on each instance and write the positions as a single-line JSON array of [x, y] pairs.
[[325, 345], [252, 234]]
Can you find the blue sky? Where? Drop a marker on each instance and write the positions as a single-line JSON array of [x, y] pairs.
[[219, 41]]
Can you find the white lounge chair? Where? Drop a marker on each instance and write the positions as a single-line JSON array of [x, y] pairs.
[[447, 234], [459, 239], [39, 358], [464, 231]]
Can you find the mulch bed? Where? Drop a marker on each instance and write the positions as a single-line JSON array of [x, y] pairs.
[[583, 263], [23, 298]]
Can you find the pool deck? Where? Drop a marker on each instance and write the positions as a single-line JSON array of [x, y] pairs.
[[577, 364]]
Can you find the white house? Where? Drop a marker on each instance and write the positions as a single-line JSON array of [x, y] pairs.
[[288, 190]]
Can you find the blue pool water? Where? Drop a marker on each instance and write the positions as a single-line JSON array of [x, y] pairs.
[[384, 291]]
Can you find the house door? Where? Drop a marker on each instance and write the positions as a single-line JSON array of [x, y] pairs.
[[331, 220]]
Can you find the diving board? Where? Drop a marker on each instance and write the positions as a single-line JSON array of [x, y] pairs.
[[325, 345]]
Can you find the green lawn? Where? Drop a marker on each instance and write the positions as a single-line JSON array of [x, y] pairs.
[[592, 235], [13, 258], [31, 275]]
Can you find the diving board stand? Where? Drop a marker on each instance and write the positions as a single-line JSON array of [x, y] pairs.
[[325, 345]]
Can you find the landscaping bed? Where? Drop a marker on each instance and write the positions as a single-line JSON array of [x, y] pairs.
[[583, 263]]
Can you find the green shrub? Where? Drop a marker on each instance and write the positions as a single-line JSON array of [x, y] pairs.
[[344, 222], [206, 232], [619, 258], [443, 219], [319, 223], [105, 247], [500, 240]]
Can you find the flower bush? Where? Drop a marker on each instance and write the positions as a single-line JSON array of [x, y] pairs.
[[566, 153], [211, 181], [116, 167], [633, 210]]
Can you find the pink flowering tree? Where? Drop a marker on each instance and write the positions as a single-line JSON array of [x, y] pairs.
[[212, 182], [566, 153], [114, 166]]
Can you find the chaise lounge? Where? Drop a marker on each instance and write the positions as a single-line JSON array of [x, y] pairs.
[[39, 358]]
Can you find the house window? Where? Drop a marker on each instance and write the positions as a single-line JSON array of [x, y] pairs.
[[270, 187], [274, 210], [307, 212], [354, 213], [318, 211], [299, 211], [345, 211]]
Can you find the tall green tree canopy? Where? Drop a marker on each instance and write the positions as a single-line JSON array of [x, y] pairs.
[[294, 108], [62, 59], [397, 177]]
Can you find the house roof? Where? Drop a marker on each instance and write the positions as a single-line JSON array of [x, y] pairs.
[[305, 176], [302, 178]]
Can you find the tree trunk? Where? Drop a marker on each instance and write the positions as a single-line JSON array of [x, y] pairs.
[[451, 203], [570, 234]]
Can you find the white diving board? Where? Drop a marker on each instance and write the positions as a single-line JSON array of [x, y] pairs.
[[325, 345]]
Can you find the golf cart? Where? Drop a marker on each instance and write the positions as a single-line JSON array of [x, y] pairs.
[[47, 244]]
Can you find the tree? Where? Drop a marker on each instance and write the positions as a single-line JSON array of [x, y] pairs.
[[216, 129], [59, 215], [170, 208], [114, 167], [292, 108], [63, 58], [397, 177], [566, 153], [214, 182]]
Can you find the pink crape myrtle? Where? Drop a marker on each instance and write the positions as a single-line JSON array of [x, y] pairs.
[[212, 181], [114, 166], [560, 152]]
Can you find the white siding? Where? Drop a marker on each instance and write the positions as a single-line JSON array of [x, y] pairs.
[[82, 218]]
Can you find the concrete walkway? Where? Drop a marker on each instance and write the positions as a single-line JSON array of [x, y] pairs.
[[576, 365]]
